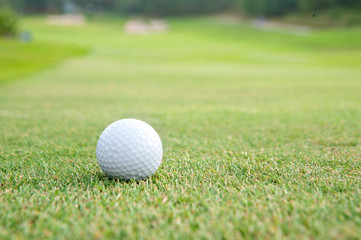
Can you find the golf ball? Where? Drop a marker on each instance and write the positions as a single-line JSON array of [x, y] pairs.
[[129, 149]]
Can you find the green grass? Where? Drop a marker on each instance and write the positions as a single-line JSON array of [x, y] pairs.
[[20, 59], [261, 135]]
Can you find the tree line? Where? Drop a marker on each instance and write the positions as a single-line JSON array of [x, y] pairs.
[[179, 7]]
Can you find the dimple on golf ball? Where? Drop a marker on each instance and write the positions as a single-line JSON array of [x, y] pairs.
[[129, 149]]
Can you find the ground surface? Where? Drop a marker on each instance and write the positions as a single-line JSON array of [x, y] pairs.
[[19, 59], [261, 134]]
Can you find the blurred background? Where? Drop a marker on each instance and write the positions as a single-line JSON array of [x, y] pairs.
[[335, 8], [25, 21], [329, 12]]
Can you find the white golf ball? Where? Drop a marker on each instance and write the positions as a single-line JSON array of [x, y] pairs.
[[129, 149]]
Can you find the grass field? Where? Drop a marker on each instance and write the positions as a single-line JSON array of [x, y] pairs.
[[19, 59], [261, 133]]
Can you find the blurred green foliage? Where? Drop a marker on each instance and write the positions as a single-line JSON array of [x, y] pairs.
[[280, 7], [182, 7], [270, 7], [8, 23], [324, 4], [171, 7]]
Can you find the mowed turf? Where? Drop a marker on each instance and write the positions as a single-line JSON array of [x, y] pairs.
[[21, 59], [261, 134]]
